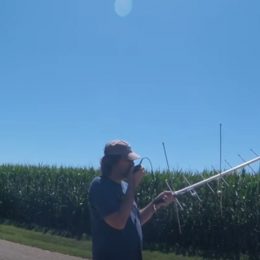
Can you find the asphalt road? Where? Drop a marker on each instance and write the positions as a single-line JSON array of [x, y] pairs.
[[14, 251]]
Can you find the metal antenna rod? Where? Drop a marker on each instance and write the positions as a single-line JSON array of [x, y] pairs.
[[169, 187], [220, 147], [257, 209], [220, 168], [228, 163], [256, 155], [230, 167], [215, 177], [254, 152], [222, 178], [192, 192], [172, 190], [208, 185], [257, 185], [249, 166], [166, 157]]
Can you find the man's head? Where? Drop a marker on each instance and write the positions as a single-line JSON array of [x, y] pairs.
[[118, 158]]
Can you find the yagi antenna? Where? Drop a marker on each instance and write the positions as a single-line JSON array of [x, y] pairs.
[[215, 177]]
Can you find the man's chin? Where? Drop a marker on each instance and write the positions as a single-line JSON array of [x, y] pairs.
[[125, 175]]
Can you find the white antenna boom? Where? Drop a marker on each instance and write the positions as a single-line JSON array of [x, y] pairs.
[[215, 177]]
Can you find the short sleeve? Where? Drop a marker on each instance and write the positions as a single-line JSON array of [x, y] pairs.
[[103, 200]]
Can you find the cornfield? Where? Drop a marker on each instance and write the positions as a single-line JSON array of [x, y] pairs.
[[56, 198]]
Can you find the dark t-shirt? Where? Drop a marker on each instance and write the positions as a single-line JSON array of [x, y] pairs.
[[105, 197]]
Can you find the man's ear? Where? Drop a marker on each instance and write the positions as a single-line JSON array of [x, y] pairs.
[[116, 166]]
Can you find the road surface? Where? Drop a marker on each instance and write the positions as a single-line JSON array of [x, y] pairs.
[[14, 251]]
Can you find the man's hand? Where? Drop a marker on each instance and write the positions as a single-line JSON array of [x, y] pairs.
[[164, 199], [134, 178], [138, 176]]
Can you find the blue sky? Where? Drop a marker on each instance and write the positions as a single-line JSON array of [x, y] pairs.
[[73, 75]]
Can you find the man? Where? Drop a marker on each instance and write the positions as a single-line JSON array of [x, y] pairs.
[[115, 218]]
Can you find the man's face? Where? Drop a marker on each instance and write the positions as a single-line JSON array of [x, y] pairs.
[[124, 166]]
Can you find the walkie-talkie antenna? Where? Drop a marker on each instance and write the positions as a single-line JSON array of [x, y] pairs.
[[172, 190], [149, 160]]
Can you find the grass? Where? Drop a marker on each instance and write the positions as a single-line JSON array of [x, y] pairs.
[[46, 241], [81, 248]]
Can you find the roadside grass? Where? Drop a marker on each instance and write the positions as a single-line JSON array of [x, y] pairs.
[[68, 246]]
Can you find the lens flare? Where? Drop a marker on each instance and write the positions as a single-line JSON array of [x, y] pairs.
[[123, 7]]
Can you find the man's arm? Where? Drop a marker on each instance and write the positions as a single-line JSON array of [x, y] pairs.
[[147, 212], [162, 200], [119, 219]]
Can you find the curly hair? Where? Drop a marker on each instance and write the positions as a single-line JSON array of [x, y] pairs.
[[107, 163]]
